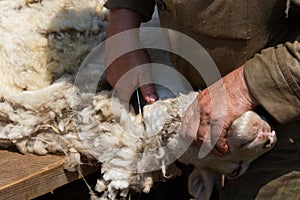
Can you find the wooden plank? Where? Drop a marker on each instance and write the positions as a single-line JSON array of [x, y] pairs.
[[29, 176]]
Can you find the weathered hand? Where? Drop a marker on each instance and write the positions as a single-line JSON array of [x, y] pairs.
[[210, 115], [128, 72], [131, 70]]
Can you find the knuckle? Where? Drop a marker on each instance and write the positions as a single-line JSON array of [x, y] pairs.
[[205, 114]]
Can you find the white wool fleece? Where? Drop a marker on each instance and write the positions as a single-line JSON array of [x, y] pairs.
[[42, 40]]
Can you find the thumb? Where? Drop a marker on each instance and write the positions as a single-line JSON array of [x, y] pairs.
[[149, 93], [146, 84]]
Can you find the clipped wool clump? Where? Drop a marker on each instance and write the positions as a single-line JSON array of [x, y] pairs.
[[63, 120]]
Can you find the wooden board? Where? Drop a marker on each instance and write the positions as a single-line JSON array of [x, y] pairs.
[[29, 176]]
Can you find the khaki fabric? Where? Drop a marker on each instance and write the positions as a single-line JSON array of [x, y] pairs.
[[276, 69], [233, 32], [285, 187], [230, 31]]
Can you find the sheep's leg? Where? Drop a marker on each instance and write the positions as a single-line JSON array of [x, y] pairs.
[[201, 182]]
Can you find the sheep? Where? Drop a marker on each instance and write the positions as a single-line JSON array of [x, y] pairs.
[[131, 148]]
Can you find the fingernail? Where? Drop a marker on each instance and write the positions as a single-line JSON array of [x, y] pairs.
[[153, 98]]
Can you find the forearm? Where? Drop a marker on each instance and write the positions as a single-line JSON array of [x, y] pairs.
[[144, 8], [127, 62], [121, 20], [273, 78]]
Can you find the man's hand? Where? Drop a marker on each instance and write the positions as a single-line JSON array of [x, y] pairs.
[[131, 69], [210, 115]]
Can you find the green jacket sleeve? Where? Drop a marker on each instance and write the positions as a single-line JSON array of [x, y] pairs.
[[273, 78], [143, 7]]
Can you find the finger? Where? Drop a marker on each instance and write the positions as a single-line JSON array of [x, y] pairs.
[[203, 130], [218, 138], [204, 135], [198, 143], [217, 152], [123, 94], [126, 86], [222, 146], [208, 147], [149, 93], [211, 137], [190, 123], [146, 84]]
